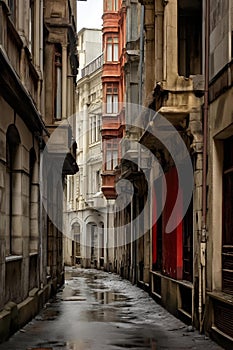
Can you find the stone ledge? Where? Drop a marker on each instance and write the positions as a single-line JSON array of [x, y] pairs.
[[221, 296], [14, 316]]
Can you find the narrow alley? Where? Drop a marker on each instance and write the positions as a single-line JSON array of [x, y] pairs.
[[99, 310]]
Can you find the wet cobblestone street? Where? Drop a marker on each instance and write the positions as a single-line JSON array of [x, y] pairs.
[[98, 310]]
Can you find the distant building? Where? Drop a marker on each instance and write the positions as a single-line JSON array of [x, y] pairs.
[[89, 47], [85, 216]]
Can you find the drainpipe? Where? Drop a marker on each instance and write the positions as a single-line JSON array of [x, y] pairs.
[[202, 266]]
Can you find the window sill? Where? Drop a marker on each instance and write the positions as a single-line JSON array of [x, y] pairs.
[[111, 115], [93, 144], [112, 62], [33, 254], [222, 297], [13, 258], [182, 282]]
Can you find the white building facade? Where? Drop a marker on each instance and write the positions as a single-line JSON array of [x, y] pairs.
[[85, 216]]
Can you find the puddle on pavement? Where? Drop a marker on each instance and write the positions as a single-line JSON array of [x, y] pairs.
[[70, 292], [100, 315], [108, 297], [50, 345], [70, 345], [138, 343]]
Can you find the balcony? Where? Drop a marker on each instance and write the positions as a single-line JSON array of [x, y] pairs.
[[93, 66], [108, 185]]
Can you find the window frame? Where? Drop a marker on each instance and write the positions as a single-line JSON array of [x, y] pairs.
[[112, 49], [31, 26], [111, 150], [111, 5], [13, 143], [112, 98], [58, 83], [12, 7]]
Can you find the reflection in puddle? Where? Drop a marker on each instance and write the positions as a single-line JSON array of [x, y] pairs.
[[100, 315], [137, 343], [78, 345], [71, 345], [108, 297]]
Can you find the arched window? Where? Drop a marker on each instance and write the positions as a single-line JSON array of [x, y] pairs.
[[12, 180]]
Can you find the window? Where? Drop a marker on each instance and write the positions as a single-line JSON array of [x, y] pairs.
[[94, 133], [97, 181], [227, 236], [70, 188], [76, 233], [112, 49], [111, 5], [11, 4], [157, 226], [33, 203], [58, 83], [188, 244], [31, 26], [112, 98], [111, 155], [13, 177], [189, 26]]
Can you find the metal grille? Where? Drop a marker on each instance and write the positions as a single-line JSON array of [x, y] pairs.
[[223, 318]]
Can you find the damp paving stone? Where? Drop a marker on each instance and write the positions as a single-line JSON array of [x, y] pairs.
[[100, 311]]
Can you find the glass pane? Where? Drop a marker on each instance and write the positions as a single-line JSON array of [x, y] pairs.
[[115, 158], [58, 93], [115, 103], [108, 160], [109, 52], [109, 5], [109, 103], [115, 5], [115, 57]]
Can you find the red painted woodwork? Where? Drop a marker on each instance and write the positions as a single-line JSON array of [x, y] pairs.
[[172, 264], [154, 229], [114, 24]]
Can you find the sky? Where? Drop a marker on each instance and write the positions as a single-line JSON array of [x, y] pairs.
[[89, 14]]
